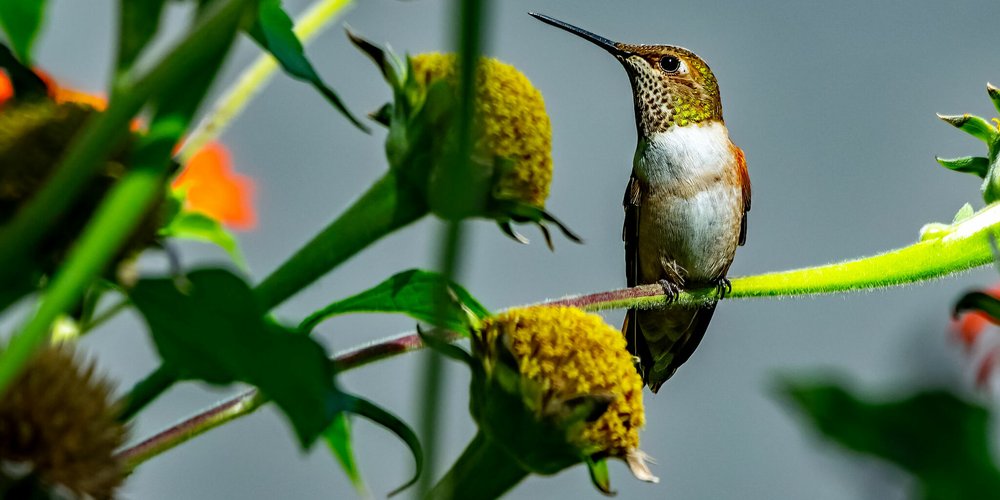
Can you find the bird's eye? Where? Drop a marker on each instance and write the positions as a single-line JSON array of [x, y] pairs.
[[670, 64]]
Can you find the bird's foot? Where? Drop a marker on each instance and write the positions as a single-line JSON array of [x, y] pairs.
[[722, 287], [670, 290]]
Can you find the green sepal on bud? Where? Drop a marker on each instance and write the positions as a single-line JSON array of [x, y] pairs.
[[511, 166], [973, 125], [994, 93], [983, 167], [975, 165]]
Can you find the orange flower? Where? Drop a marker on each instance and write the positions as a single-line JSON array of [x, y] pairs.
[[970, 325], [57, 92], [211, 187], [6, 89], [208, 180]]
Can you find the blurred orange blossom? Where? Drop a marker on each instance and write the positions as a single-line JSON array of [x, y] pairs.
[[208, 182]]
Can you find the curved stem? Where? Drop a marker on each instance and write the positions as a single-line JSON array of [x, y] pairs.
[[387, 206], [146, 391], [249, 401], [961, 247], [484, 470]]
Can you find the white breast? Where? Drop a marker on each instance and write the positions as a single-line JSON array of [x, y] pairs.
[[690, 208], [683, 153]]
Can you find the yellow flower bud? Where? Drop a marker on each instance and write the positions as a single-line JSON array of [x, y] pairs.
[[568, 353], [511, 121]]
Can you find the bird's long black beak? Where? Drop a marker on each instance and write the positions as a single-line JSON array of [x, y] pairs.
[[598, 40]]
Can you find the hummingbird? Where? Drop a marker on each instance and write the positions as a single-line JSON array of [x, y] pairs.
[[685, 203]]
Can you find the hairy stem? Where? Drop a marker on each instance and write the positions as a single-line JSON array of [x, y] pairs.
[[963, 246], [249, 401]]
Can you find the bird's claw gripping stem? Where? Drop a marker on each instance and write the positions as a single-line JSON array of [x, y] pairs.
[[670, 290], [722, 287]]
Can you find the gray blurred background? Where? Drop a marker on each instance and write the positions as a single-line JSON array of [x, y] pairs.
[[833, 103]]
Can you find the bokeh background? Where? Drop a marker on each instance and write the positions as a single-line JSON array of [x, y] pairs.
[[833, 103]]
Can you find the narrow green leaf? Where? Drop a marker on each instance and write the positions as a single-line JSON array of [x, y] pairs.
[[444, 348], [387, 62], [139, 21], [273, 31], [940, 439], [26, 83], [199, 227], [413, 293], [975, 165], [392, 423], [22, 20], [963, 213], [600, 476], [210, 327], [994, 94], [979, 301], [973, 125], [338, 439]]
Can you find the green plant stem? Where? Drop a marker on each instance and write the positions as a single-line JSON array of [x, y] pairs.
[[104, 316], [484, 470], [430, 399], [147, 390], [460, 200], [249, 401], [253, 79], [387, 206], [86, 153], [964, 246], [113, 222], [193, 427], [250, 82]]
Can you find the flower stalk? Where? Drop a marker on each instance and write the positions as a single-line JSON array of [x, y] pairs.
[[484, 470], [387, 206]]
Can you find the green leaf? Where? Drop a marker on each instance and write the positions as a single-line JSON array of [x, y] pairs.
[[390, 422], [273, 31], [387, 62], [979, 301], [199, 227], [138, 22], [210, 327], [963, 213], [26, 83], [338, 439], [22, 19], [973, 125], [413, 293], [441, 346], [975, 165], [994, 94], [940, 439], [599, 475]]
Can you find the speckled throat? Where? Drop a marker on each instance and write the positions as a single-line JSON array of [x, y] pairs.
[[663, 99], [671, 86]]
